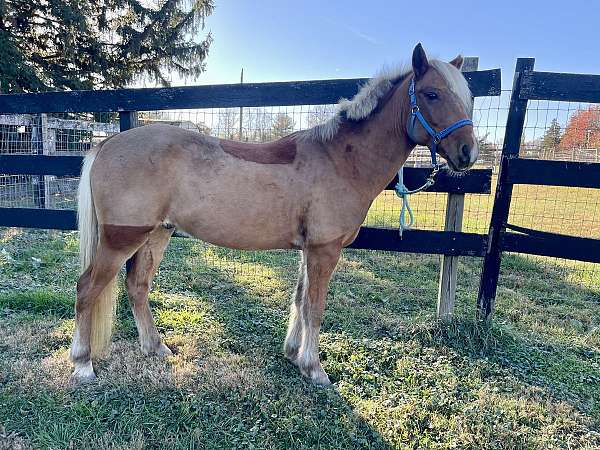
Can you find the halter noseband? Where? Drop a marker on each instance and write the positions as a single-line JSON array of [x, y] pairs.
[[436, 137]]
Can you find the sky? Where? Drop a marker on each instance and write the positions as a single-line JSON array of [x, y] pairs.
[[290, 40]]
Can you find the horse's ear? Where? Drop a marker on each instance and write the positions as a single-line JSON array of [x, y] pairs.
[[457, 62], [419, 61]]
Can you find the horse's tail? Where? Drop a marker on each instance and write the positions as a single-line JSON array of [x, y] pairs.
[[103, 311]]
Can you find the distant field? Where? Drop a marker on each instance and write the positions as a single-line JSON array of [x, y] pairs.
[[401, 379], [574, 211]]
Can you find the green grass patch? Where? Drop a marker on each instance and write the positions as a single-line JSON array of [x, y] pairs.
[[41, 301]]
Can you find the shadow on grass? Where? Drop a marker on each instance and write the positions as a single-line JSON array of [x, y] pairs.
[[251, 318], [545, 332]]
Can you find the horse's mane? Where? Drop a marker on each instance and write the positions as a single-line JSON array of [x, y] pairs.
[[368, 97]]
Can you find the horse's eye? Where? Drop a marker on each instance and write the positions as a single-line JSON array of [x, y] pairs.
[[431, 95]]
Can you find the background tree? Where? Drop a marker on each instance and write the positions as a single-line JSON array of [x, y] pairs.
[[84, 44], [282, 125], [228, 124], [258, 124], [319, 114], [582, 130], [487, 149], [551, 139]]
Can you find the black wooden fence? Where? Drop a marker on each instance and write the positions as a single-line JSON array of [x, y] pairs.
[[127, 101], [527, 85]]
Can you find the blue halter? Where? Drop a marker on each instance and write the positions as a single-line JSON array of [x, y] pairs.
[[436, 137], [406, 214]]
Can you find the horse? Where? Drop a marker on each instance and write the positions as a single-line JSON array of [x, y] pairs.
[[308, 191]]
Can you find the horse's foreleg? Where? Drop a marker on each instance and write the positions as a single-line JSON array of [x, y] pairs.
[[293, 339], [140, 273], [320, 264]]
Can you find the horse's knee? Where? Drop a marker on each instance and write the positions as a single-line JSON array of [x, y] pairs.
[[136, 288]]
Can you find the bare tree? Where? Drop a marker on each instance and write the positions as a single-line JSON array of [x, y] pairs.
[[258, 123], [227, 125], [319, 114]]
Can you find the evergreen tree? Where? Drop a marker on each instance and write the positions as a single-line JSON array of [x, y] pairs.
[[486, 148], [84, 44], [551, 138]]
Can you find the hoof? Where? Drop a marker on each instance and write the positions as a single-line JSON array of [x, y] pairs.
[[161, 350], [83, 374], [316, 375], [320, 379]]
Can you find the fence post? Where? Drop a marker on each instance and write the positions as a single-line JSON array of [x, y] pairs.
[[37, 146], [510, 150], [455, 205], [48, 148], [128, 120]]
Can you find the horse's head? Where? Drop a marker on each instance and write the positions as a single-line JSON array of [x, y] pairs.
[[443, 101]]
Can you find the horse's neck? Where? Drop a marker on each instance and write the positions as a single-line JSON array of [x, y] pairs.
[[371, 152]]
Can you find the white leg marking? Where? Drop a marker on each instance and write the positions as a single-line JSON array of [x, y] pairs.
[[83, 373], [308, 358]]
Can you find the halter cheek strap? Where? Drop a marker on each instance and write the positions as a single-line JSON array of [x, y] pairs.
[[436, 136]]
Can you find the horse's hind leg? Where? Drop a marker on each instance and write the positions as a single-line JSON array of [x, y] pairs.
[[90, 286], [293, 338], [140, 272], [320, 264]]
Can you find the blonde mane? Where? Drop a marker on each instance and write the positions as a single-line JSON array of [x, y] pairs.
[[368, 97]]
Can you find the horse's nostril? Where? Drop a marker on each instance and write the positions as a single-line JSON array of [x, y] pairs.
[[465, 152]]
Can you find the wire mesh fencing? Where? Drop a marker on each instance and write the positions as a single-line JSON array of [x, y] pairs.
[[562, 131]]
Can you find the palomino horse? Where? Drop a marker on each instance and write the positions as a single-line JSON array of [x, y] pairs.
[[309, 191]]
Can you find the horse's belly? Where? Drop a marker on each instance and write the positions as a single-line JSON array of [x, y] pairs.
[[239, 222]]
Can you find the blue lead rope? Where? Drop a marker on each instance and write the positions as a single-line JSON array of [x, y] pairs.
[[406, 211], [403, 192]]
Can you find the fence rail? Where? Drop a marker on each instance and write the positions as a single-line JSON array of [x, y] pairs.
[[553, 173], [314, 92], [572, 87], [477, 181]]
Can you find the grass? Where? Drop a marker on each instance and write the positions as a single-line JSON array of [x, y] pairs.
[[401, 379]]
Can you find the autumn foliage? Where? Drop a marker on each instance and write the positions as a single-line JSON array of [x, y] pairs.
[[582, 130]]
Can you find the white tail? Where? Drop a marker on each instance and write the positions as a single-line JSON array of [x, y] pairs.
[[104, 307]]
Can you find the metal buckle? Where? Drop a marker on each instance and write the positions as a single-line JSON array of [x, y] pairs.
[[415, 109]]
